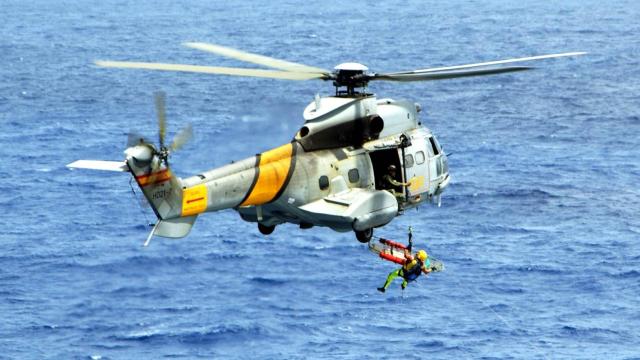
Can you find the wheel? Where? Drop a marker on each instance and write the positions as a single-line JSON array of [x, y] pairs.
[[364, 236], [266, 230]]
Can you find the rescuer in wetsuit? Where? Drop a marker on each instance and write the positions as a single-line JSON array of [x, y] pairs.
[[414, 265]]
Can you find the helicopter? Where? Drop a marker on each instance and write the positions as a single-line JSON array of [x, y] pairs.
[[338, 171]]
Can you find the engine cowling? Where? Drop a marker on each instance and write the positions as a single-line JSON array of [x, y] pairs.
[[338, 122]]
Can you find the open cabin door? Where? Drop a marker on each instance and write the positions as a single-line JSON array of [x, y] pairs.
[[381, 160]]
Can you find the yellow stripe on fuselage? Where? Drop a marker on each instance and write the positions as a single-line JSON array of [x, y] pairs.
[[272, 173]]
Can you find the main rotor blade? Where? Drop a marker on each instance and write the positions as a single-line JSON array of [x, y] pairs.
[[162, 116], [272, 74], [489, 63], [182, 137], [255, 58], [446, 74]]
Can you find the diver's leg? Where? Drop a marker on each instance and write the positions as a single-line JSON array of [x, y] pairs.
[[404, 284], [392, 275]]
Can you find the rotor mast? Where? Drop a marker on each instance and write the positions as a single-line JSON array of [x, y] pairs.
[[351, 76]]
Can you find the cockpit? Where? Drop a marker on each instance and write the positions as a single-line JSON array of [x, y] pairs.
[[414, 170]]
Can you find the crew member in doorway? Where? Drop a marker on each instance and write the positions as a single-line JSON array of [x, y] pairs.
[[390, 183]]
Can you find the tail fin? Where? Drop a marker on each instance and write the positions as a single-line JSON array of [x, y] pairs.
[[161, 188], [150, 168]]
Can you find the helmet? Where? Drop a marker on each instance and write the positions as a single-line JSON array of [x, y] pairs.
[[422, 255], [392, 167]]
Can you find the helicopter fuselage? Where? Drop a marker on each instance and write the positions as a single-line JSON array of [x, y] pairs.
[[336, 172], [333, 178]]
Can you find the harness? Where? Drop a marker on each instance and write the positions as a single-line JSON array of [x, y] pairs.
[[412, 270]]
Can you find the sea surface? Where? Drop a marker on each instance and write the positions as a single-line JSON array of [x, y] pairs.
[[539, 229]]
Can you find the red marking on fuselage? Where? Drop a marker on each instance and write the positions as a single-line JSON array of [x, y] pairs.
[[194, 200], [154, 178]]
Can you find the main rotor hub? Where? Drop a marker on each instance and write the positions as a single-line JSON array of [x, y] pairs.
[[352, 76], [351, 66]]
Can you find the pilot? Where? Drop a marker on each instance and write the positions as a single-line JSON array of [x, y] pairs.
[[390, 182], [413, 267]]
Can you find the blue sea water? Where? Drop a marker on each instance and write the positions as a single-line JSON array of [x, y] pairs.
[[539, 229]]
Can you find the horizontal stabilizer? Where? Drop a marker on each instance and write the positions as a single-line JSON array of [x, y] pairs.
[[175, 228], [99, 165], [172, 228]]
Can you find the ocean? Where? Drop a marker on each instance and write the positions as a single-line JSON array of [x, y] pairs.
[[538, 230]]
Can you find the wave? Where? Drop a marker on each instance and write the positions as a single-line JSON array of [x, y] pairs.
[[512, 194], [220, 256], [430, 344], [268, 281], [578, 332], [492, 229], [540, 269], [633, 274], [206, 336], [120, 266], [506, 290]]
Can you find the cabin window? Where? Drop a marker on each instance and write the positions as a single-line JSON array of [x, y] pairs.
[[323, 182], [434, 146], [420, 157], [354, 175], [408, 161]]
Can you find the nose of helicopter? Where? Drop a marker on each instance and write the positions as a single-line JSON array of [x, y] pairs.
[[444, 165]]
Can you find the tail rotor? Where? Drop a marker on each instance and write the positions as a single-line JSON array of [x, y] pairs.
[[182, 137], [148, 164], [160, 153]]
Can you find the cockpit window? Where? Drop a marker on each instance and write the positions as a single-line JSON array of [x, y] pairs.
[[434, 146], [408, 161], [419, 157]]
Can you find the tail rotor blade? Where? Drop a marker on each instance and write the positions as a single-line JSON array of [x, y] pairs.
[[182, 138], [162, 117]]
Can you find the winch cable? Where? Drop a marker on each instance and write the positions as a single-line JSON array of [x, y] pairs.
[[139, 200]]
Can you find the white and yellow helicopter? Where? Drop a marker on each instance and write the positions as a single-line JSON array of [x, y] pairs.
[[338, 170]]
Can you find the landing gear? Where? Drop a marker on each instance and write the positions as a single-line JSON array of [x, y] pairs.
[[266, 230], [364, 236]]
